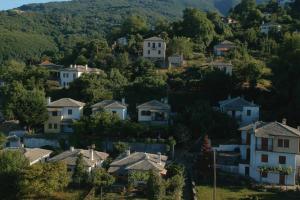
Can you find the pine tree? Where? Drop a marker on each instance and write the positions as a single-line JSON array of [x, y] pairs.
[[80, 174]]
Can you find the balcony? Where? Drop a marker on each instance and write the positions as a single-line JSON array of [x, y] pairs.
[[264, 147]]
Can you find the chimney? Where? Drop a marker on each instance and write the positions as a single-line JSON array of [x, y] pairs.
[[229, 97], [298, 128], [147, 156], [86, 67], [48, 100], [159, 157], [71, 148], [92, 152], [284, 121], [123, 101], [71, 66], [127, 152], [75, 66]]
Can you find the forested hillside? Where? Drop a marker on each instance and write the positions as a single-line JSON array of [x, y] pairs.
[[59, 24]]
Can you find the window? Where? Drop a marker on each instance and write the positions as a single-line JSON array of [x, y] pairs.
[[286, 143], [114, 112], [55, 126], [280, 143], [264, 158], [49, 126], [264, 174], [67, 75], [159, 44], [264, 144], [54, 113], [148, 52], [74, 75], [145, 113], [282, 159], [149, 44], [159, 52], [153, 45], [70, 111], [248, 112]]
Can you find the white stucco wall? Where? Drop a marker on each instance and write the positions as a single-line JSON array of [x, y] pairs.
[[69, 77], [251, 118], [150, 52], [76, 112]]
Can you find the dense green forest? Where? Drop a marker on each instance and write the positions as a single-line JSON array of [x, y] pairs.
[[64, 23]]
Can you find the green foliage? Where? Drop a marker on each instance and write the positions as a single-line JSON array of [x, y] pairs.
[[276, 169], [45, 178], [138, 176], [120, 147], [80, 175], [182, 46], [2, 140], [11, 165], [155, 186], [175, 186], [196, 25], [100, 178]]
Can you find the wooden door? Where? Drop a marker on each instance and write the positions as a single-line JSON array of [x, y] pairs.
[[281, 179]]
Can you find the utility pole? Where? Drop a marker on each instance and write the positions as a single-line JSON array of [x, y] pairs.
[[215, 176]]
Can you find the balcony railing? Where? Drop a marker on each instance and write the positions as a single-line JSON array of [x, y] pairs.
[[264, 148]]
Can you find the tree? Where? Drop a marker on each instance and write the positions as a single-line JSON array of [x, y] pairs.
[[172, 143], [182, 46], [175, 169], [133, 25], [30, 108], [175, 186], [100, 178], [120, 147], [2, 140], [42, 179], [196, 25], [11, 165], [206, 158], [155, 186], [80, 174]]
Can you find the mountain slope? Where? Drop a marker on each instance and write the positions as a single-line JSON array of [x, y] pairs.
[[62, 23]]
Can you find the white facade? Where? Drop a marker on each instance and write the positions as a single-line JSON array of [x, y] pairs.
[[226, 67], [176, 61], [267, 154], [238, 108], [68, 75], [154, 48], [112, 106], [154, 112], [266, 28]]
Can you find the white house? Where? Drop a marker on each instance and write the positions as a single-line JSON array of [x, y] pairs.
[[222, 66], [270, 153], [176, 61], [91, 158], [62, 114], [154, 112], [267, 27], [283, 3], [68, 75], [154, 48], [112, 106], [243, 111]]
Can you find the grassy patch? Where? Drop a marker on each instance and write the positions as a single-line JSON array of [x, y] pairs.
[[239, 192]]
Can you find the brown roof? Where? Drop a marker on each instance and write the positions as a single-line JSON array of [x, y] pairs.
[[66, 102], [138, 161], [272, 128], [70, 157]]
